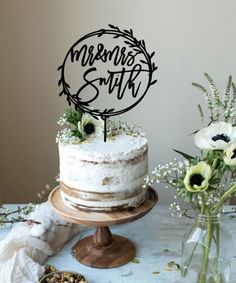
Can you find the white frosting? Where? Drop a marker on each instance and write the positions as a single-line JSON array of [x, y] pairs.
[[117, 166], [123, 147]]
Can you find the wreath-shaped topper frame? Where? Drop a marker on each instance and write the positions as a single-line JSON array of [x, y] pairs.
[[137, 46]]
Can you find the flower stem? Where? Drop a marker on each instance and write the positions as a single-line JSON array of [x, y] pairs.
[[206, 249], [189, 261], [224, 197], [218, 275], [203, 206], [214, 164], [186, 265]]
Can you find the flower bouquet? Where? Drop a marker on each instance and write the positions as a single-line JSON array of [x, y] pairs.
[[206, 182]]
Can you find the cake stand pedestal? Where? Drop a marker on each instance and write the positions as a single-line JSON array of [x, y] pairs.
[[103, 249]]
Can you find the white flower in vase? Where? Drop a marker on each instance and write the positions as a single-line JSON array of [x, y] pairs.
[[230, 155], [197, 177], [216, 136]]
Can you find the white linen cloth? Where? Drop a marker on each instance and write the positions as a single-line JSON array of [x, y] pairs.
[[26, 247]]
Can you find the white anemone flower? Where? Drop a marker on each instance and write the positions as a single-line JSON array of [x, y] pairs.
[[197, 177], [90, 127], [230, 155], [216, 136]]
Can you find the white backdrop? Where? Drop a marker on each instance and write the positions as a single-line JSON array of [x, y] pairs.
[[190, 37]]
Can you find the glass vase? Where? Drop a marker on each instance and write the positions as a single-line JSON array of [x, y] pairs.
[[206, 251]]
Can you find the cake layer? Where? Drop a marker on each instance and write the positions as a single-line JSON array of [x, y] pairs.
[[103, 175], [100, 204]]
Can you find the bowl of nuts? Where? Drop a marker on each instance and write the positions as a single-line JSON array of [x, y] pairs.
[[63, 277]]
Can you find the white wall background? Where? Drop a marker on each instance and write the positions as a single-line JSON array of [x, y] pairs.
[[190, 37]]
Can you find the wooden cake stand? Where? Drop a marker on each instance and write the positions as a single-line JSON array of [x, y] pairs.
[[103, 249]]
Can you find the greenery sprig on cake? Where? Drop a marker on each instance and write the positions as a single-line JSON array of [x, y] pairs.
[[80, 127]]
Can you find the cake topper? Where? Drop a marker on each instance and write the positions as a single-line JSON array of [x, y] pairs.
[[105, 77]]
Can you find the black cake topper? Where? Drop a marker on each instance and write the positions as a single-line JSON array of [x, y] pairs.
[[96, 66]]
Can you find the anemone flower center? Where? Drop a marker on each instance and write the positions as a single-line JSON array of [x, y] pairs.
[[234, 154], [89, 128], [196, 179], [222, 137]]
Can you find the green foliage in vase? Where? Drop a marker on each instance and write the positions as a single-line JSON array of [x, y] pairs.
[[221, 107], [205, 181]]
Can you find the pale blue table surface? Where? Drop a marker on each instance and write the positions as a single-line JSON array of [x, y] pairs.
[[157, 238]]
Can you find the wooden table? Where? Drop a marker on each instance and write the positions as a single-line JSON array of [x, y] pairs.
[[157, 238]]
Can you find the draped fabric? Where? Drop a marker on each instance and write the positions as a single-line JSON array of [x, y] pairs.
[[26, 247]]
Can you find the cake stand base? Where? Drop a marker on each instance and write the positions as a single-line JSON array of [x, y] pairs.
[[104, 250]]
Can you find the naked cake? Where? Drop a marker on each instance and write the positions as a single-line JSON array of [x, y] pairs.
[[102, 176]]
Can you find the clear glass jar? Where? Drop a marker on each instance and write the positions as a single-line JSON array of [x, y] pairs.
[[206, 251]]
